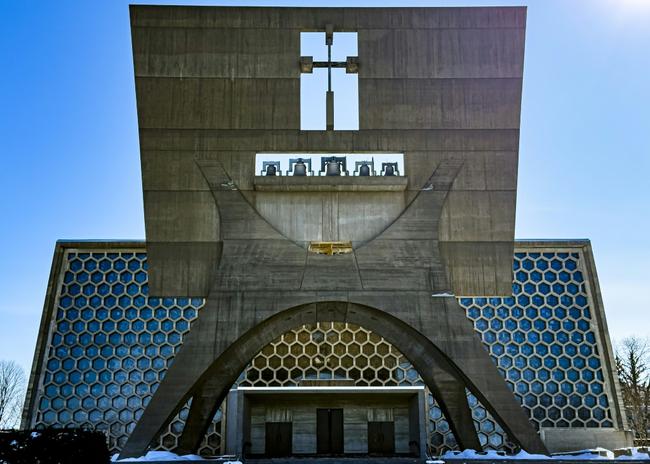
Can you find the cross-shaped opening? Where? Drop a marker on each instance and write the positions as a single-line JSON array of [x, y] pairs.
[[329, 72]]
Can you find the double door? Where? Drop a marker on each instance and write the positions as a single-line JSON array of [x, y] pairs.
[[329, 431]]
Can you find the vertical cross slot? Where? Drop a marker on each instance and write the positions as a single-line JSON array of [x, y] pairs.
[[329, 89]]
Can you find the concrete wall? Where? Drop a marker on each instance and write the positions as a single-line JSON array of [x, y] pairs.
[[355, 419]]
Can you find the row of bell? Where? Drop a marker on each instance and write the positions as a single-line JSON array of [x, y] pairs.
[[333, 169]]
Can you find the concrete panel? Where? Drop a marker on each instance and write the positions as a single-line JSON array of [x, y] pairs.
[[398, 254], [350, 19], [181, 269], [181, 216], [490, 170], [210, 53], [408, 279], [235, 166], [441, 53], [402, 436], [258, 429], [171, 170], [336, 273], [479, 268], [238, 220], [298, 217], [355, 430], [439, 103], [304, 430], [478, 216], [480, 170], [287, 141], [330, 184], [255, 266], [320, 216], [417, 222], [419, 166], [191, 103], [573, 439]]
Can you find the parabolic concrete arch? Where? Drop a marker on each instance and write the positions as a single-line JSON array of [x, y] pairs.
[[206, 372]]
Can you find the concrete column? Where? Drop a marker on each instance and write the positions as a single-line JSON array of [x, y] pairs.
[[234, 422]]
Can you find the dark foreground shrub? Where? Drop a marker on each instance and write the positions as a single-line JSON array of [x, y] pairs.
[[53, 446]]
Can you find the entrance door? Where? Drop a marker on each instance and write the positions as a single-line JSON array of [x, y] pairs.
[[381, 438], [329, 431], [278, 439]]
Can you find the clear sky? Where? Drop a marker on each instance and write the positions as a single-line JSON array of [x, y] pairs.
[[70, 162]]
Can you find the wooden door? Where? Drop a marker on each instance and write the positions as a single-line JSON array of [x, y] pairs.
[[329, 431], [381, 438], [278, 439]]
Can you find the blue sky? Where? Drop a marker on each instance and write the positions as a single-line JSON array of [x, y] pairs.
[[70, 161]]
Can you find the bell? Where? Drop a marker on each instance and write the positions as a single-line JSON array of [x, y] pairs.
[[390, 170], [299, 169], [271, 170], [333, 169], [364, 170]]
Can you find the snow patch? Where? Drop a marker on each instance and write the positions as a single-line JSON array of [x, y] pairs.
[[491, 455], [635, 454], [167, 456], [587, 454], [594, 454]]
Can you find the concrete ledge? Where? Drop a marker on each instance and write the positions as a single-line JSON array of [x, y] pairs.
[[331, 184], [560, 439]]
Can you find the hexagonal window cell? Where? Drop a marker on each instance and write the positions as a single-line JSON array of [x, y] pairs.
[[274, 362], [174, 338], [376, 362], [324, 350], [134, 402], [296, 349], [142, 389], [117, 289], [361, 337], [374, 338], [317, 336], [383, 349], [489, 337], [303, 336], [311, 349], [88, 289], [367, 349], [443, 427], [488, 426], [354, 349], [304, 362], [346, 336], [168, 442], [481, 324], [347, 361]]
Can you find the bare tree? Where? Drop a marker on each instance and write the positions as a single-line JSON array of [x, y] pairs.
[[12, 393], [633, 366]]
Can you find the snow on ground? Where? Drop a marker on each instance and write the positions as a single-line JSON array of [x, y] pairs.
[[582, 455], [491, 455], [167, 456], [634, 454]]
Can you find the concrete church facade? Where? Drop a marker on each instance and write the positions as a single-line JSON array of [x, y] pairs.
[[349, 310]]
